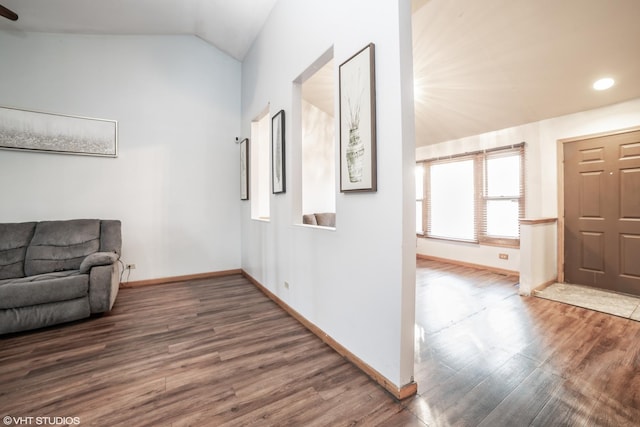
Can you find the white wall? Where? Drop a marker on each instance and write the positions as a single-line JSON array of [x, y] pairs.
[[356, 283], [541, 181], [539, 251], [177, 103]]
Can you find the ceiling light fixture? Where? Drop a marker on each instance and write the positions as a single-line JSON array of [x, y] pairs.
[[603, 84]]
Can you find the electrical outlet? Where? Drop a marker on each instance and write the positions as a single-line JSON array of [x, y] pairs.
[[131, 266], [503, 256], [286, 285]]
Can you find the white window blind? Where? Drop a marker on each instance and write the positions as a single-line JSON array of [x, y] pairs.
[[503, 196], [452, 217], [419, 197], [475, 197]]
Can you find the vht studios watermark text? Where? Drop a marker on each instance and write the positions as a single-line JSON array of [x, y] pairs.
[[40, 421]]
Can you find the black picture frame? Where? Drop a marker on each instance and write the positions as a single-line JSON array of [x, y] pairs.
[[244, 169], [278, 169], [358, 171]]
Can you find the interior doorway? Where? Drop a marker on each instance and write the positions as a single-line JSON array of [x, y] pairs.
[[601, 223]]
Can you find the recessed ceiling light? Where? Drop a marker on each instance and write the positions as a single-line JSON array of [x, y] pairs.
[[603, 84]]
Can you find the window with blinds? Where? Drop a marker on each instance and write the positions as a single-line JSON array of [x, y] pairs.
[[419, 197], [476, 197]]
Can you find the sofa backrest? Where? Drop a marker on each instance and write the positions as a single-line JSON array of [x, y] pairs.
[[325, 219], [61, 245], [14, 240], [110, 236]]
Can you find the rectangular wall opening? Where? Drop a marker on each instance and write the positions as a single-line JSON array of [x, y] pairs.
[[259, 166], [318, 143]]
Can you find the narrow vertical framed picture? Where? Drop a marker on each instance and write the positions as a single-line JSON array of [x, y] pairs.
[[244, 169], [278, 175], [358, 122]]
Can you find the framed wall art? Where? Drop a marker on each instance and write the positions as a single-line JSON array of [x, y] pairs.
[[244, 169], [26, 130], [278, 175], [358, 122]]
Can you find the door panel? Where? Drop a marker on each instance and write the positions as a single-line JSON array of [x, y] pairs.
[[602, 212], [629, 151], [592, 252], [591, 194], [592, 155], [629, 252], [586, 206], [629, 200]]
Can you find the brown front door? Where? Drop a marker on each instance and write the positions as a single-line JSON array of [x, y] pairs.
[[602, 212]]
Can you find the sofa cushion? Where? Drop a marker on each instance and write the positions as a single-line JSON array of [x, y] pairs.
[[43, 288], [61, 245], [23, 318], [14, 239]]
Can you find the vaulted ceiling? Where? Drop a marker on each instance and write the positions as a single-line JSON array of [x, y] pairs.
[[230, 25], [479, 65]]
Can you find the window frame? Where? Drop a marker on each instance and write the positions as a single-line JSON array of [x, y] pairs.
[[422, 199], [427, 198], [481, 198], [483, 236]]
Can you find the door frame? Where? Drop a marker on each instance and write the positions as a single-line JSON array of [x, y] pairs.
[[560, 165]]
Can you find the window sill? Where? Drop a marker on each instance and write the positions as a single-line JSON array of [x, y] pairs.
[[262, 219], [320, 227], [473, 242], [446, 239]]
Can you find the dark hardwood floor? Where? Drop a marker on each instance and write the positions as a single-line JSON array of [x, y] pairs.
[[217, 352], [487, 357], [211, 352]]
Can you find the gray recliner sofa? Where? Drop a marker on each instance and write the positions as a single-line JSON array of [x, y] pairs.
[[57, 271]]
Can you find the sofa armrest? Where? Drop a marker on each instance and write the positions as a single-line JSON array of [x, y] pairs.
[[104, 283], [96, 259]]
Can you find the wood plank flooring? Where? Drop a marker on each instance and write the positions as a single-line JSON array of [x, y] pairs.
[[217, 352], [213, 352], [487, 357]]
